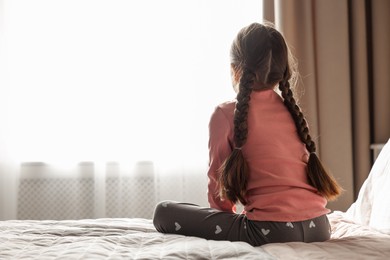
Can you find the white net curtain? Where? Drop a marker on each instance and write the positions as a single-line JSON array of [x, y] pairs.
[[104, 105]]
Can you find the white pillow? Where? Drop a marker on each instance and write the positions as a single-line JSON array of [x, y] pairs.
[[372, 207]]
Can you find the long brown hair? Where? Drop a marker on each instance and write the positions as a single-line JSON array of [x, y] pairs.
[[261, 59]]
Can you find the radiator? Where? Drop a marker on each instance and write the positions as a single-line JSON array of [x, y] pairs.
[[87, 193]]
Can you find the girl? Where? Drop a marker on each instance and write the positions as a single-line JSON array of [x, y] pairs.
[[261, 155]]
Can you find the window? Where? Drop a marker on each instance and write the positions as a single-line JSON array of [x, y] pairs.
[[115, 80]]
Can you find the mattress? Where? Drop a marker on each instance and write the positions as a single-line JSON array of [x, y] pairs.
[[136, 238]]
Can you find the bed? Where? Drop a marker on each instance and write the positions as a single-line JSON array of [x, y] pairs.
[[137, 239], [362, 232]]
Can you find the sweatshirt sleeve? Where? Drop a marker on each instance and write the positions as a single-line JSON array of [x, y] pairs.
[[220, 130]]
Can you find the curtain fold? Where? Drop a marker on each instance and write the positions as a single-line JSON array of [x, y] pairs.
[[361, 117], [380, 51], [342, 48]]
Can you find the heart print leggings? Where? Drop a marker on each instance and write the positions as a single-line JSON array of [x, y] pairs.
[[193, 220]]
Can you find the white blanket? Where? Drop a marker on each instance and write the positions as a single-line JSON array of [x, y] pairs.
[[137, 239], [349, 241], [110, 239]]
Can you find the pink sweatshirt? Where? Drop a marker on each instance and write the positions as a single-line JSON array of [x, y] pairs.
[[277, 188]]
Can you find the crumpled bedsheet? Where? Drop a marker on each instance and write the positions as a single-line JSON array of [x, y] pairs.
[[111, 239], [348, 241], [138, 239]]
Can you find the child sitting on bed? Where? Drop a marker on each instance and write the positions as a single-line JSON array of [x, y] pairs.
[[261, 155]]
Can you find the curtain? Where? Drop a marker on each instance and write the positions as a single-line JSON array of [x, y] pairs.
[[343, 53], [104, 105]]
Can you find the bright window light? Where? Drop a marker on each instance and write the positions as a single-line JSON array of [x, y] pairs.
[[115, 80]]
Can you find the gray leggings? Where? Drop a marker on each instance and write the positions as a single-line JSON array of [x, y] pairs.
[[193, 220]]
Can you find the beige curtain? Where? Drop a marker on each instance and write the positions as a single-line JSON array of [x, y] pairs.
[[343, 53]]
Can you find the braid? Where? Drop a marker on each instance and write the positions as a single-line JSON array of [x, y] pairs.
[[234, 171], [242, 107], [317, 175], [299, 119]]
